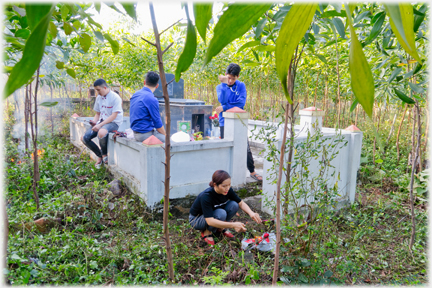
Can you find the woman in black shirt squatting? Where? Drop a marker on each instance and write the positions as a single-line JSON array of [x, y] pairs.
[[214, 207]]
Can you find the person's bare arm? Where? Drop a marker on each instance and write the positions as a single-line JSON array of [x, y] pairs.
[[106, 121], [254, 216], [96, 117], [237, 226], [161, 130]]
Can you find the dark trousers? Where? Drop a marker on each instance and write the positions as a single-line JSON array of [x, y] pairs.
[[250, 161], [90, 134], [225, 213]]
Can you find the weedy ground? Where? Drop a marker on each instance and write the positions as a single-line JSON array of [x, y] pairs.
[[84, 234]]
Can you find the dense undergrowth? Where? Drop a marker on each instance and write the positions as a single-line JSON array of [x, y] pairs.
[[90, 236]]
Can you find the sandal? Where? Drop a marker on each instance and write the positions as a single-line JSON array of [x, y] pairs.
[[227, 234], [208, 241], [105, 160], [255, 176]]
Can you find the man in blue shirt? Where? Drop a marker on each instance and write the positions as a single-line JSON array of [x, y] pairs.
[[145, 119], [232, 93]]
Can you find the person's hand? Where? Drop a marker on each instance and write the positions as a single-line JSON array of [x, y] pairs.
[[239, 227], [92, 123], [223, 79], [96, 127], [256, 218], [219, 109]]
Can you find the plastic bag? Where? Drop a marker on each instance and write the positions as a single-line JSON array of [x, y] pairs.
[[129, 133], [180, 137], [266, 242]]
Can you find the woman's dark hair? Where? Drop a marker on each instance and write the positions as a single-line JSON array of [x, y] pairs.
[[218, 177]]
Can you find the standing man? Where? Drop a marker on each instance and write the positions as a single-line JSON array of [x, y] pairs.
[[232, 93], [145, 117], [108, 118]]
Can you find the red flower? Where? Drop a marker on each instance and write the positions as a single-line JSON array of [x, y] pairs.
[[211, 117], [216, 116]]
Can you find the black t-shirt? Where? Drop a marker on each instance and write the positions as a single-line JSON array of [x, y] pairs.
[[208, 201]]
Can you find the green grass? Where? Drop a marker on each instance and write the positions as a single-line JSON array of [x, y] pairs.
[[104, 239]]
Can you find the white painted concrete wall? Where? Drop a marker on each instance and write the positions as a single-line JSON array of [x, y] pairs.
[[192, 165]]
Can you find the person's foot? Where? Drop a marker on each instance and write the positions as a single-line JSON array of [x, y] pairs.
[[226, 233], [207, 237], [105, 160], [256, 176], [98, 163]]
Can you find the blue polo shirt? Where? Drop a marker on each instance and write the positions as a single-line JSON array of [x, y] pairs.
[[144, 111], [229, 97]]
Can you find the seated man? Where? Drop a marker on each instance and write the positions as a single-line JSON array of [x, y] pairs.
[[144, 111], [108, 118]]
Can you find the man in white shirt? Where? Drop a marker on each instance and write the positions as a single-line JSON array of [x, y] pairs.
[[108, 118]]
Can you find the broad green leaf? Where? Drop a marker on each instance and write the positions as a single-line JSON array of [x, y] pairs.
[[260, 27], [77, 24], [99, 35], [404, 97], [333, 13], [322, 58], [114, 43], [71, 72], [53, 29], [249, 44], [130, 9], [240, 16], [376, 17], [14, 41], [48, 104], [67, 28], [402, 23], [339, 26], [97, 6], [394, 74], [269, 48], [362, 82], [202, 14], [361, 16], [64, 11], [59, 64], [418, 19], [85, 41], [416, 88], [22, 33], [376, 29], [354, 105], [315, 28], [36, 12], [189, 51], [292, 31], [31, 57], [337, 6]]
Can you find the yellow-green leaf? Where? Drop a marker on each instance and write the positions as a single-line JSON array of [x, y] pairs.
[[292, 31], [59, 64], [202, 14], [64, 12], [35, 12], [71, 72], [114, 43], [402, 23], [189, 51], [67, 28], [362, 82], [53, 29], [85, 41], [77, 24], [233, 23]]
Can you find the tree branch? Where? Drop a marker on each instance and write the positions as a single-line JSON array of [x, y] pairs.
[[170, 81], [169, 46], [170, 26], [148, 42]]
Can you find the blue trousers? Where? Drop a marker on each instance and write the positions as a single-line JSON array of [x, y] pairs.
[[225, 213], [90, 134]]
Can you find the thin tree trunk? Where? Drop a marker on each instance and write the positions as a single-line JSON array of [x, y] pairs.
[[316, 88], [278, 201], [51, 115], [338, 82], [374, 145], [392, 128], [34, 140], [414, 164], [167, 144], [26, 117], [426, 129], [398, 133], [356, 115]]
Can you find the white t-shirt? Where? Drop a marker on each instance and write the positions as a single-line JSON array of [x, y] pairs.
[[107, 105]]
